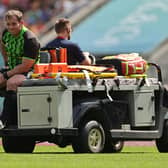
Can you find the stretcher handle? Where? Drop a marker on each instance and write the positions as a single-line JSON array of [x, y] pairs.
[[158, 70]]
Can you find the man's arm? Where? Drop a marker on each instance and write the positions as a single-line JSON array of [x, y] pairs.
[[26, 65], [82, 57], [2, 48]]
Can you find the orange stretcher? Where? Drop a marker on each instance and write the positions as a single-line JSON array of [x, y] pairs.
[[71, 71]]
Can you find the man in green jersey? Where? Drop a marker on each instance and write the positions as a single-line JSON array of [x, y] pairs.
[[20, 50]]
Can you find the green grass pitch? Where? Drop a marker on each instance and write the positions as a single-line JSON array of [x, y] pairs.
[[55, 157]]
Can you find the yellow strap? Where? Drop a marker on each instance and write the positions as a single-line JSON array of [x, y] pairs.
[[137, 76], [77, 75]]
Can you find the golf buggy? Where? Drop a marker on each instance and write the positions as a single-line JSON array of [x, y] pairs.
[[93, 108]]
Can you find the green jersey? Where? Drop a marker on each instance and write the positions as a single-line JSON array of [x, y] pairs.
[[17, 47]]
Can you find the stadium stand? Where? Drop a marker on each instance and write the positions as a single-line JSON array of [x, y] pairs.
[[38, 14], [159, 56]]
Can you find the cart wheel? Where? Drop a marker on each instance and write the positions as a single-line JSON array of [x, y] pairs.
[[162, 143], [91, 138], [15, 144], [114, 146]]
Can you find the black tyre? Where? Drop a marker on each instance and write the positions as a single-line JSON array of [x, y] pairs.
[[91, 138], [114, 146], [14, 144], [162, 143]]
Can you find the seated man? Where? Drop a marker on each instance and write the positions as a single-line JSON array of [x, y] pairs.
[[75, 55], [20, 50]]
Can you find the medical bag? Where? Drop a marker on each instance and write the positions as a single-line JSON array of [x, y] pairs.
[[125, 64]]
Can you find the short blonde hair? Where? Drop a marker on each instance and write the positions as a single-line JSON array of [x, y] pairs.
[[17, 13]]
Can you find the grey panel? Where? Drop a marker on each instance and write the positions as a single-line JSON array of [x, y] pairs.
[[44, 107], [143, 114], [34, 109]]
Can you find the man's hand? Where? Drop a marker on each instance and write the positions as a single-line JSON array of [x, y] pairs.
[[2, 79], [87, 60]]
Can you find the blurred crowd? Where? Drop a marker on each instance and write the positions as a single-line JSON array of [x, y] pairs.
[[38, 12]]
